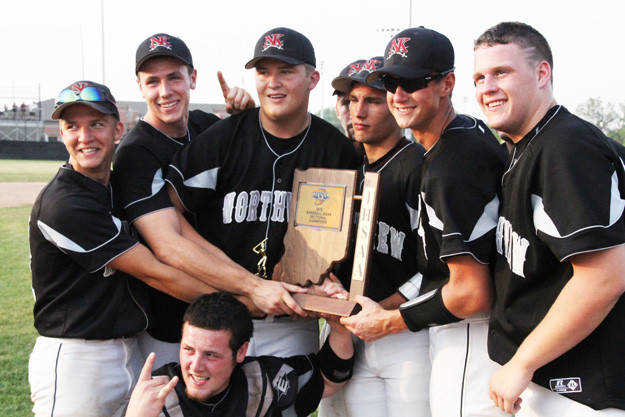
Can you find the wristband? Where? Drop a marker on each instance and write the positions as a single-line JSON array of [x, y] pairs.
[[332, 367], [426, 310], [410, 289]]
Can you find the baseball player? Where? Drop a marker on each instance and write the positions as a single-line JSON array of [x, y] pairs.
[[165, 75], [216, 379], [558, 318], [87, 312], [455, 220], [237, 175], [342, 101], [394, 371]]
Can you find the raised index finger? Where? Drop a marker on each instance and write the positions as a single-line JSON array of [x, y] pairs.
[[146, 371], [223, 84]]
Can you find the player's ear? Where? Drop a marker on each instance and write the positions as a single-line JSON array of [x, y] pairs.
[[193, 76], [543, 73], [448, 82], [119, 131], [242, 352], [314, 79]]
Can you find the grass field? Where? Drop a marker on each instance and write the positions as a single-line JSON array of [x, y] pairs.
[[17, 170], [17, 334]]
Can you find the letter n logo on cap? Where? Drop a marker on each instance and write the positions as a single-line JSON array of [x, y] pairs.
[[398, 47], [273, 41], [157, 41]]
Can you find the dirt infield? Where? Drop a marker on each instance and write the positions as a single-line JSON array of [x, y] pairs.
[[13, 194]]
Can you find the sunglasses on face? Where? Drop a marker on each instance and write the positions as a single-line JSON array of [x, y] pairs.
[[86, 94], [410, 85]]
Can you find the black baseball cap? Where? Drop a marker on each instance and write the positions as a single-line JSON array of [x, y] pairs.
[[286, 45], [416, 53], [339, 83], [162, 44], [90, 94], [357, 72]]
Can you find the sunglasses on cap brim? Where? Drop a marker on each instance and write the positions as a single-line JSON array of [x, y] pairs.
[[410, 85], [86, 94]]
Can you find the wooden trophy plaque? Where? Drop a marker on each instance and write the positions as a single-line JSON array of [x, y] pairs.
[[320, 223]]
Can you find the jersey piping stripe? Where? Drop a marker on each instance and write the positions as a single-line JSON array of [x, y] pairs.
[[173, 186], [449, 255], [387, 162], [590, 251], [63, 242], [273, 168], [514, 158], [56, 367], [113, 258], [163, 134], [157, 183], [414, 216], [453, 128]]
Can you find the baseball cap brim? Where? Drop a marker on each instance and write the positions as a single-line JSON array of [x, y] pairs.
[[102, 107], [292, 61], [400, 71], [342, 84], [157, 54]]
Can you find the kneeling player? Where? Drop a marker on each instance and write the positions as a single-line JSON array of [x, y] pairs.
[[215, 378]]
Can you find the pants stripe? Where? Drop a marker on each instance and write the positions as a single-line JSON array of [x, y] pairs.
[[56, 366], [464, 370]]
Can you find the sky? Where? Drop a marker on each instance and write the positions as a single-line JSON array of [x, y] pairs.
[[49, 44]]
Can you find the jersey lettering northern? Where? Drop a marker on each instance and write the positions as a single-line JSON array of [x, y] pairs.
[[238, 180]]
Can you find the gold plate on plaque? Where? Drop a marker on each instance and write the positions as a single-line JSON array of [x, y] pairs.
[[320, 206]]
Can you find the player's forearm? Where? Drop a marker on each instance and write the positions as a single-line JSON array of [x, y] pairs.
[[191, 258], [581, 306], [469, 290], [393, 301], [141, 263], [190, 233]]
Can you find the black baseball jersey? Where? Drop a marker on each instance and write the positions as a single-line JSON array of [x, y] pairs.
[[562, 196], [459, 198], [237, 179], [264, 386], [138, 179], [395, 246], [73, 236]]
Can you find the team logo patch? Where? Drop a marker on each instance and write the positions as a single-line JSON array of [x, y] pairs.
[[320, 196], [398, 47], [355, 68], [565, 385], [78, 87], [159, 41], [370, 65], [285, 386], [273, 40]]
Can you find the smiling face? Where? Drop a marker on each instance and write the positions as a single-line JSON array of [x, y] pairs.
[[373, 122], [508, 87], [89, 137], [207, 361], [417, 111], [165, 84], [283, 89]]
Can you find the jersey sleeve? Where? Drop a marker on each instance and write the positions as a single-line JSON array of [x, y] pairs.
[[139, 183], [194, 170], [297, 383], [579, 204], [462, 203], [86, 232]]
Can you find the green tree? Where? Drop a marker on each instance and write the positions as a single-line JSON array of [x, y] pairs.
[[329, 115], [606, 116]]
